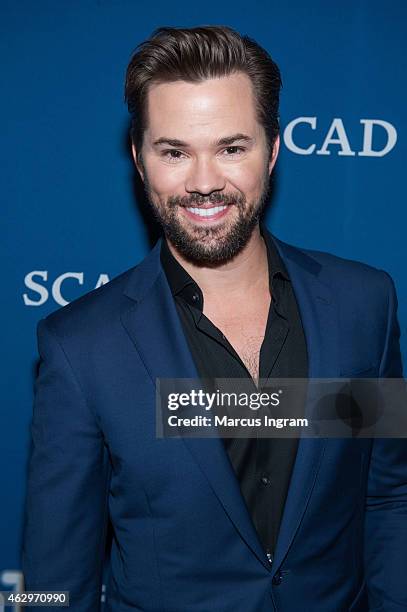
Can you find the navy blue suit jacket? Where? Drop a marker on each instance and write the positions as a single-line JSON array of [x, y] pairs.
[[183, 540]]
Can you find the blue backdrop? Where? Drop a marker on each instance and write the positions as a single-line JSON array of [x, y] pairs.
[[68, 190]]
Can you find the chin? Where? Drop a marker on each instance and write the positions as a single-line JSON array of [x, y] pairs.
[[201, 247]]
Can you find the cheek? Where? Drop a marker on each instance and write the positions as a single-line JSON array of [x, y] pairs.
[[248, 178], [165, 180]]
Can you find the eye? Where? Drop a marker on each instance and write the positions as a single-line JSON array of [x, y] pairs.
[[234, 151], [172, 155]]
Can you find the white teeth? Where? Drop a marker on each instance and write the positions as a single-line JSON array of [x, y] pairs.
[[206, 212]]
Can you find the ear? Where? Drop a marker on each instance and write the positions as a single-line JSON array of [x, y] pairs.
[[139, 165], [274, 154]]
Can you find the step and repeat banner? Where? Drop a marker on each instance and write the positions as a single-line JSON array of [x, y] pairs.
[[72, 207]]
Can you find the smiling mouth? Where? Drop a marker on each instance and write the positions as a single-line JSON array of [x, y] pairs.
[[209, 211]]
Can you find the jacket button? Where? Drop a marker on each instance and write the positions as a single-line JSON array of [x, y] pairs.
[[277, 579]]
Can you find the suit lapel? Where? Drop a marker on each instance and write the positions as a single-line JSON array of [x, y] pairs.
[[320, 321], [153, 324]]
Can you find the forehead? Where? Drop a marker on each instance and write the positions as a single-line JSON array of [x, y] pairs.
[[215, 106]]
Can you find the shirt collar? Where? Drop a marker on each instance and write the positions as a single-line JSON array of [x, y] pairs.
[[183, 285]]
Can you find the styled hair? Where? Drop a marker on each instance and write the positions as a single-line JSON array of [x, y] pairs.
[[197, 54]]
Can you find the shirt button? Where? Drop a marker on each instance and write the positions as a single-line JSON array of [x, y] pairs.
[[195, 297], [265, 480]]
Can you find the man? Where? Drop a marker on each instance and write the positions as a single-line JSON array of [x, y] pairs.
[[204, 525]]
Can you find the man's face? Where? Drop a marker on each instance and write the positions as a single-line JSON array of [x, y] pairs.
[[205, 165]]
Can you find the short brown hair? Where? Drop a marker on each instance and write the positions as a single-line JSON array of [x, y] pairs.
[[197, 54]]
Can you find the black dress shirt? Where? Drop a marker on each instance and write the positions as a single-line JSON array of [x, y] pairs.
[[263, 466]]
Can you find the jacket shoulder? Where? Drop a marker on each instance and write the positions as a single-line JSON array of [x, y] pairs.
[[356, 276], [93, 310], [337, 270]]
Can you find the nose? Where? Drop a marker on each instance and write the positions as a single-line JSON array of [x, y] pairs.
[[204, 177]]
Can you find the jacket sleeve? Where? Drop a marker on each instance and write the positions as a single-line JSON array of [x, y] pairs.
[[386, 509], [67, 489]]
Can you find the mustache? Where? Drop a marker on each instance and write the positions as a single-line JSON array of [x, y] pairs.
[[213, 198]]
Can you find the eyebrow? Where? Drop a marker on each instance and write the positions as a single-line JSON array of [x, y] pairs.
[[226, 141]]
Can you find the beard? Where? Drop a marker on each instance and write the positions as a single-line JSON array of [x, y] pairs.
[[210, 246]]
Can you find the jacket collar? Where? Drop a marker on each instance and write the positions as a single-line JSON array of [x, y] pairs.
[[145, 274]]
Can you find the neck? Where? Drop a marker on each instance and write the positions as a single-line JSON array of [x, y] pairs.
[[237, 277]]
